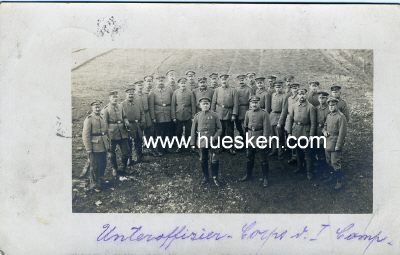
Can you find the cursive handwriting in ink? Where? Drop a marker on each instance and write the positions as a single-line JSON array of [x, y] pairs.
[[347, 234], [323, 227], [301, 234], [250, 232], [165, 239]]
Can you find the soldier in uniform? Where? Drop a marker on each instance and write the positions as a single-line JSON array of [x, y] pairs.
[[225, 104], [213, 81], [257, 124], [132, 106], [288, 82], [250, 78], [149, 128], [341, 105], [270, 90], [335, 129], [312, 96], [117, 122], [278, 117], [291, 100], [302, 122], [322, 111], [244, 92], [261, 92], [207, 124], [202, 91], [190, 75], [160, 110], [171, 83], [95, 140], [183, 109]]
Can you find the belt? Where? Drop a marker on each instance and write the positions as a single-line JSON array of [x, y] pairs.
[[224, 106], [146, 110], [99, 134], [163, 105], [301, 124], [255, 129], [275, 112], [244, 105], [115, 122]]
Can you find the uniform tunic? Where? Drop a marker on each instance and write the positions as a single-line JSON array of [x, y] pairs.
[[172, 85], [244, 93], [199, 94], [193, 85], [322, 112], [336, 126], [94, 134], [115, 117], [312, 98], [134, 113], [302, 120], [261, 93], [144, 98], [257, 123], [183, 105], [225, 102], [278, 109], [205, 123], [291, 100], [342, 106], [160, 104]]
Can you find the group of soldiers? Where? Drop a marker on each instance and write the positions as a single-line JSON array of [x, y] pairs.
[[163, 106]]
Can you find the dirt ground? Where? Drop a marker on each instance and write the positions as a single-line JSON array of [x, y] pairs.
[[170, 184]]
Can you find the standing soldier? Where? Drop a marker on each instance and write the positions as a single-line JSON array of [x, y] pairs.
[[183, 109], [312, 96], [94, 136], [160, 110], [190, 75], [207, 124], [257, 124], [335, 129], [302, 122], [132, 106], [214, 81], [117, 122], [270, 90], [250, 77], [322, 111], [202, 91], [278, 117], [225, 104], [149, 128], [292, 99], [341, 105], [171, 74], [261, 92], [244, 92]]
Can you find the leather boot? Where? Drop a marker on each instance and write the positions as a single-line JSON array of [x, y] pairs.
[[300, 167], [249, 171], [204, 167], [339, 180], [214, 169], [265, 171]]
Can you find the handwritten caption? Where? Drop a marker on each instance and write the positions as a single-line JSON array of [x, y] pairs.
[[249, 232]]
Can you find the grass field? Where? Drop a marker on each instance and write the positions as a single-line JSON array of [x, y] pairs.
[[170, 184]]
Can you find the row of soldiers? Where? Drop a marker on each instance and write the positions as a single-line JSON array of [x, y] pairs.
[[185, 107]]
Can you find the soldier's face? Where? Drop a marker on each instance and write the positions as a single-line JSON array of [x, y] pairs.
[[148, 82], [114, 99], [278, 89], [241, 81], [182, 85], [260, 84], [224, 82], [190, 77], [130, 95], [336, 94], [160, 83], [271, 82], [332, 107], [294, 89], [204, 105], [313, 87], [254, 105], [322, 99], [250, 78], [214, 80], [96, 108], [171, 76], [302, 97], [202, 84], [139, 88]]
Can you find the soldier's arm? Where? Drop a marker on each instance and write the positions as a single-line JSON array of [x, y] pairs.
[[142, 118], [214, 100], [173, 106], [219, 128], [268, 126], [346, 112], [284, 112], [342, 133], [268, 99], [151, 106], [246, 121], [193, 132], [291, 120], [86, 135], [124, 117], [193, 104], [313, 119], [235, 103]]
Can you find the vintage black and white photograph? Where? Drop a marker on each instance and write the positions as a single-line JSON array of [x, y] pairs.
[[124, 97]]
